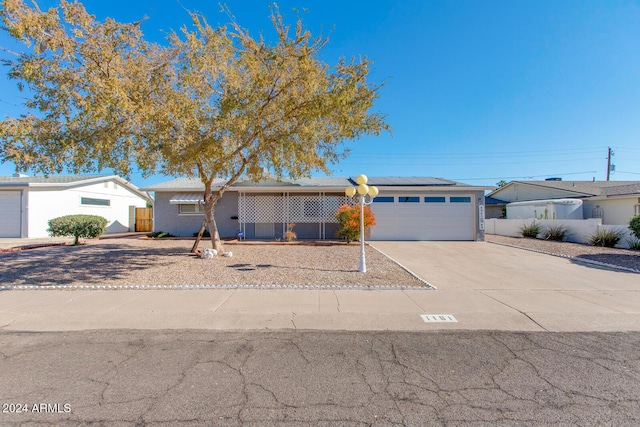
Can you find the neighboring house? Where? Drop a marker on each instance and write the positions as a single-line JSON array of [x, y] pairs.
[[407, 208], [27, 203], [615, 202], [495, 208]]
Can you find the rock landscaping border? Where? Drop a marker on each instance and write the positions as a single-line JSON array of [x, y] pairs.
[[618, 259]]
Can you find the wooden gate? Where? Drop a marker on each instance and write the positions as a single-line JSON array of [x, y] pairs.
[[144, 219]]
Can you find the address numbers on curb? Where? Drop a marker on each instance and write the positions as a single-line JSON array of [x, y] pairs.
[[429, 318]]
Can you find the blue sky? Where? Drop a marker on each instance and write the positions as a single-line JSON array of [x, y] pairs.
[[477, 91]]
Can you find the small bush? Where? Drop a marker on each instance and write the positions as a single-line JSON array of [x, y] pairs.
[[634, 226], [290, 235], [349, 221], [606, 238], [634, 243], [85, 226], [555, 232], [159, 235], [205, 233], [531, 231]]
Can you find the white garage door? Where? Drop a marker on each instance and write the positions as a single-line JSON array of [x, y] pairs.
[[439, 217], [10, 214]]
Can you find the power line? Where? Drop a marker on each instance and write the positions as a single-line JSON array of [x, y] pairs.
[[498, 153], [524, 177], [392, 163]]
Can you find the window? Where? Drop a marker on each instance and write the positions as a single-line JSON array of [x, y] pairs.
[[94, 202], [636, 209], [384, 199], [454, 199], [407, 199], [190, 209], [435, 199]]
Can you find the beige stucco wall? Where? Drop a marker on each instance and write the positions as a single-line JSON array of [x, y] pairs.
[[616, 211]]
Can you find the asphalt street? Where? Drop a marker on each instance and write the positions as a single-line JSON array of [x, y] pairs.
[[261, 378]]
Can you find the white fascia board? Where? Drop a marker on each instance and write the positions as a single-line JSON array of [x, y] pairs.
[[433, 189]]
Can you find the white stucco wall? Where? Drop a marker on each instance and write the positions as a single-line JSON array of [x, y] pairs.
[[616, 211], [578, 230], [45, 204]]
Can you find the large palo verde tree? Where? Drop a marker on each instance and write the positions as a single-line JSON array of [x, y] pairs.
[[211, 103]]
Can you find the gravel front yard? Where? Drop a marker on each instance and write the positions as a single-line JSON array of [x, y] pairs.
[[134, 262], [619, 257]]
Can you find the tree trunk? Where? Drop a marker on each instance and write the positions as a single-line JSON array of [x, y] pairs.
[[199, 237], [210, 219]]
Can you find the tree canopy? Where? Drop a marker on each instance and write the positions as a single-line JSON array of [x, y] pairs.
[[209, 103]]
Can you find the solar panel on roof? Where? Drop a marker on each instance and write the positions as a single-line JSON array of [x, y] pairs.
[[407, 181]]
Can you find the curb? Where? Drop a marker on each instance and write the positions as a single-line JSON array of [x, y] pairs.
[[34, 246], [576, 259], [218, 287]]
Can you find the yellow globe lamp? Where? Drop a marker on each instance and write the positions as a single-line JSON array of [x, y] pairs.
[[363, 189], [362, 179], [373, 191], [350, 191]]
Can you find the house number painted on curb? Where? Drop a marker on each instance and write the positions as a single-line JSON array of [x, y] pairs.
[[438, 318]]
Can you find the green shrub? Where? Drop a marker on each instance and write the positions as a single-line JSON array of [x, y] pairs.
[[205, 233], [532, 230], [607, 238], [85, 226], [555, 232], [160, 235], [634, 226]]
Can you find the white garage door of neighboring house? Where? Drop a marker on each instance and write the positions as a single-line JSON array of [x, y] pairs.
[[10, 217], [424, 218]]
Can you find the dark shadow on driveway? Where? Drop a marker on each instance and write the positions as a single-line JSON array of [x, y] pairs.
[[626, 261], [87, 264]]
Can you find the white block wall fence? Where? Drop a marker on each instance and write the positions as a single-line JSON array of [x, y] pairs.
[[578, 230]]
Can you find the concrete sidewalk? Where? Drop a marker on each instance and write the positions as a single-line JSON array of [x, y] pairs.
[[480, 285]]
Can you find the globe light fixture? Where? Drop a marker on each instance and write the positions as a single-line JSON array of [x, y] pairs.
[[364, 192]]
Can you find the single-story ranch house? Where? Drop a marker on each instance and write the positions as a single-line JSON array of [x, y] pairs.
[[615, 202], [27, 203], [407, 208]]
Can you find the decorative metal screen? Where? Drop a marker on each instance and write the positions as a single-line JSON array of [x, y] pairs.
[[597, 212], [290, 208]]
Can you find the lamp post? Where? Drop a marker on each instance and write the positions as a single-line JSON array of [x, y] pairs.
[[363, 190]]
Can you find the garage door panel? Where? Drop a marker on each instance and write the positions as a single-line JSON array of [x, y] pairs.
[[10, 213], [424, 220]]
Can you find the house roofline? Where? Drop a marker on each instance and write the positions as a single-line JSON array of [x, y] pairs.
[[80, 182], [533, 184], [318, 189]]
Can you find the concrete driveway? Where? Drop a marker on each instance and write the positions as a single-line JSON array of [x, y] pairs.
[[496, 284]]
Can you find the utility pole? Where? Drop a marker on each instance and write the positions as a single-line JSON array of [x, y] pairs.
[[610, 167]]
